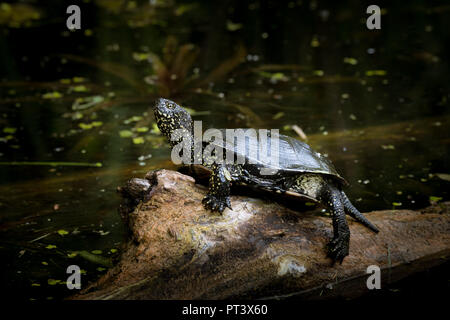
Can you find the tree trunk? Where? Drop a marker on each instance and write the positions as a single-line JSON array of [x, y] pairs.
[[260, 249]]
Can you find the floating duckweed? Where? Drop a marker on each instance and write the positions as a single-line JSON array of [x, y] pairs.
[[231, 26], [9, 130], [138, 56], [125, 133], [133, 119], [96, 251], [138, 140], [155, 128], [318, 73], [44, 263], [88, 126], [388, 147], [350, 60], [435, 199], [35, 284], [371, 73], [309, 204], [50, 246], [396, 204], [101, 269], [62, 232], [142, 129], [315, 42], [113, 250], [80, 88], [53, 282], [72, 254], [52, 95], [78, 79]]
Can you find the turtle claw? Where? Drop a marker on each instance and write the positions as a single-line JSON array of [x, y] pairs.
[[338, 248], [214, 203]]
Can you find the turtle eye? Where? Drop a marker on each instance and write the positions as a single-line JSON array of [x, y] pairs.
[[170, 105]]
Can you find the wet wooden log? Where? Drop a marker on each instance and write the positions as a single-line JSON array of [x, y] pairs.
[[260, 249]]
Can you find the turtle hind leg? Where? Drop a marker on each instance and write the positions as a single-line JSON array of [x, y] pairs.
[[355, 214], [338, 248]]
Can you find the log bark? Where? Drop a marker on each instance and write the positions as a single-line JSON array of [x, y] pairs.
[[260, 249]]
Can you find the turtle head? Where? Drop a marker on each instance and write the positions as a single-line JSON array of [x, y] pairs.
[[170, 117]]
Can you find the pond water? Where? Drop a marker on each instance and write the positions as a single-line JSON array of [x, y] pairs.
[[76, 118]]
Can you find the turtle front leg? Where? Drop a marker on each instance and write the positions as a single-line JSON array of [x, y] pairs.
[[338, 247], [218, 197]]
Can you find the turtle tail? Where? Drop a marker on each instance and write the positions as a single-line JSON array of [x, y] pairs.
[[355, 214]]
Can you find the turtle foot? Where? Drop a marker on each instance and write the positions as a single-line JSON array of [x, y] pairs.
[[338, 248], [214, 203]]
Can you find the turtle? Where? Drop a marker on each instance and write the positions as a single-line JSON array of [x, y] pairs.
[[300, 171]]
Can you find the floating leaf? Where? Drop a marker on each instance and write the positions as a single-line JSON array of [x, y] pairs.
[[141, 56], [53, 282], [318, 73], [78, 79], [142, 129], [435, 199], [371, 73], [80, 88], [133, 119], [231, 26], [52, 95], [62, 232], [125, 133], [9, 130], [350, 60], [138, 140]]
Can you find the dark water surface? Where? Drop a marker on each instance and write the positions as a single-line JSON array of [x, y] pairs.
[[76, 121]]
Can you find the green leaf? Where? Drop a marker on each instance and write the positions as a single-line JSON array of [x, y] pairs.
[[52, 95], [9, 130], [435, 199], [142, 129], [125, 133], [138, 140], [62, 232]]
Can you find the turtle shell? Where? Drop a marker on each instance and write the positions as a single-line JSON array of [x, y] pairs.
[[294, 156]]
